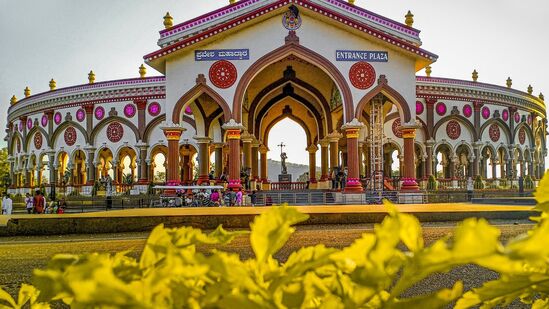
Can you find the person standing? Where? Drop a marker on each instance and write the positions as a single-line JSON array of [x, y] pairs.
[[239, 197], [29, 203], [253, 198], [38, 202], [7, 205]]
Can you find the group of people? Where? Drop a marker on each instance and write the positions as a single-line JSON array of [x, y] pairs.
[[36, 204], [339, 178], [39, 205], [216, 198]]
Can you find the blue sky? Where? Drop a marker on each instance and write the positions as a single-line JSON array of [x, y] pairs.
[[65, 39]]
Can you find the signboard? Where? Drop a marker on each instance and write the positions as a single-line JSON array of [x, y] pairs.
[[221, 54], [362, 55]]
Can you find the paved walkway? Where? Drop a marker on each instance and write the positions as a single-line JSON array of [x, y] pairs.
[[222, 211]]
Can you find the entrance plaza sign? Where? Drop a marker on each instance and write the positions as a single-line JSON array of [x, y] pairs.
[[357, 55], [222, 54]]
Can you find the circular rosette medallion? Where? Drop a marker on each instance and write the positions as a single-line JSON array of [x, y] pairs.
[[395, 127], [290, 21], [38, 140], [453, 129], [494, 132], [115, 132], [70, 136], [223, 74], [362, 75], [522, 136]]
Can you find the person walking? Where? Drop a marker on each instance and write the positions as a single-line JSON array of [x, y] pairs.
[[7, 204], [29, 203]]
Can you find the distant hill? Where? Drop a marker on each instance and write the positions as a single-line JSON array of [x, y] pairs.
[[274, 167]]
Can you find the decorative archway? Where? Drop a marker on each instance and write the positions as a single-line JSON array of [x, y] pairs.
[[293, 48], [462, 120], [502, 126], [110, 119], [393, 95], [195, 92]]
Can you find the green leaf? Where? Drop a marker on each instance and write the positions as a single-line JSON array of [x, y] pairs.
[[271, 230], [438, 299]]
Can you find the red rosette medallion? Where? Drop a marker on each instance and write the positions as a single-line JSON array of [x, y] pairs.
[[38, 140], [223, 74], [362, 75], [453, 129], [70, 136]]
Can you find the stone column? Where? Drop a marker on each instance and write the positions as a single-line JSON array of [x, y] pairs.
[[143, 170], [186, 166], [429, 162], [352, 130], [312, 149], [173, 134], [218, 159], [324, 143], [409, 182], [494, 168], [141, 120], [88, 108], [477, 106], [477, 157], [334, 151], [90, 158], [203, 159], [430, 109], [53, 172], [233, 137], [247, 140], [263, 158], [255, 165]]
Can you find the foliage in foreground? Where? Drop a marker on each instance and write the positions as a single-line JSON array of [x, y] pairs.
[[373, 272]]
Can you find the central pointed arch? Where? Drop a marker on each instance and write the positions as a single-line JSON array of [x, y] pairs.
[[292, 48]]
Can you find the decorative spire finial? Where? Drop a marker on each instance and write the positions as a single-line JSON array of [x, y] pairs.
[[530, 89], [428, 71], [13, 100], [232, 1], [409, 19], [509, 82], [475, 75], [91, 77], [53, 84], [352, 2], [142, 71], [168, 20], [541, 97], [27, 92]]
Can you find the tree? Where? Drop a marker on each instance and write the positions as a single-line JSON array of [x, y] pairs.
[[5, 180]]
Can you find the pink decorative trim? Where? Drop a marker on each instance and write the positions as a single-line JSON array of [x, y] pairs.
[[505, 115], [197, 21], [129, 110], [99, 113], [44, 120], [304, 3], [441, 109], [57, 118], [467, 110], [451, 81], [98, 85], [353, 182], [154, 109], [485, 112], [80, 115], [419, 108]]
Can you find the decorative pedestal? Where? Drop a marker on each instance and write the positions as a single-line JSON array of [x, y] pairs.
[[353, 186], [285, 178]]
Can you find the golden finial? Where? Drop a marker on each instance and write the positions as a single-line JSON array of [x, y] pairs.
[[530, 89], [53, 84], [509, 82], [91, 77], [409, 19], [475, 75], [428, 71], [168, 20], [13, 100], [27, 92], [352, 2], [142, 71], [232, 1], [541, 97]]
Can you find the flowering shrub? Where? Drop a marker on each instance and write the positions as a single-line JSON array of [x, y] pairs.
[[373, 272]]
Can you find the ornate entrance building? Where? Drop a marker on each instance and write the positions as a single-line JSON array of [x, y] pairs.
[[346, 75]]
